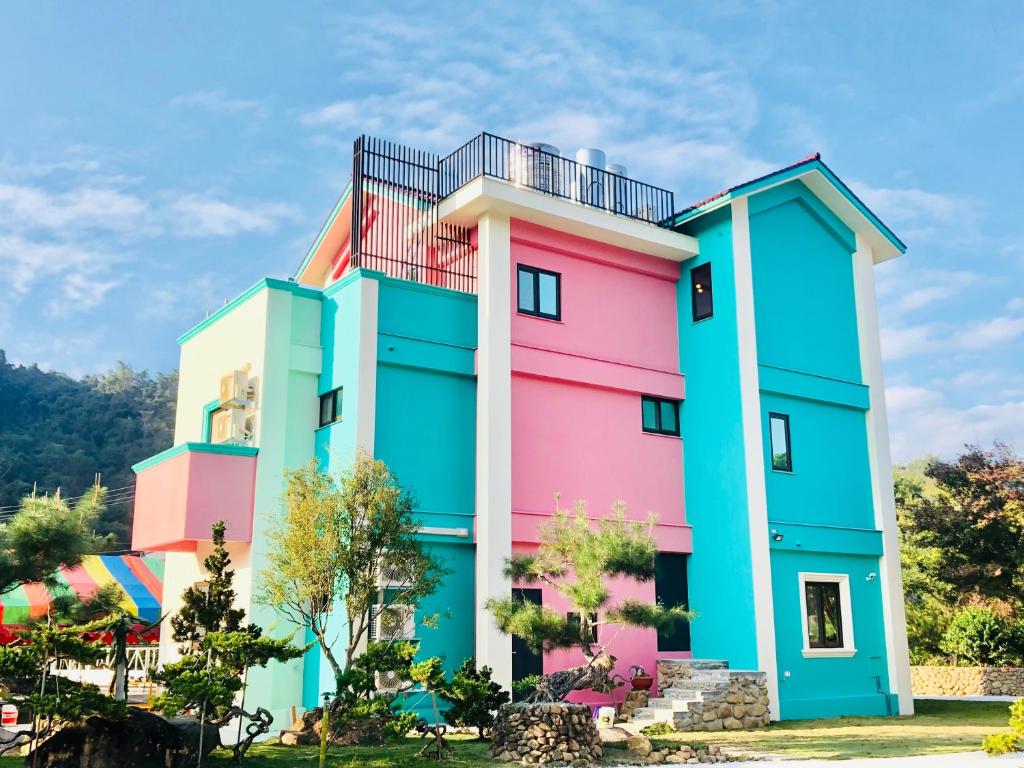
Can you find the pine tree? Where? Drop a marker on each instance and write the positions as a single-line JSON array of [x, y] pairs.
[[209, 609]]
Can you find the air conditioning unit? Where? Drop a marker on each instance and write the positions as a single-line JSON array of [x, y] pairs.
[[390, 682], [391, 576], [229, 426], [235, 391], [393, 622]]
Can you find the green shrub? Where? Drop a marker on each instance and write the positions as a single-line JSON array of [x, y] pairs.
[[658, 729], [1000, 743], [473, 697], [978, 636], [524, 688]]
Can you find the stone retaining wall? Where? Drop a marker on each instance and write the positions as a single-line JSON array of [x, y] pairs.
[[546, 734], [967, 681], [737, 699]]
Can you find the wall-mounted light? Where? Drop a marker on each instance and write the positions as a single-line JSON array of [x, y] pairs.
[[776, 535], [871, 576]]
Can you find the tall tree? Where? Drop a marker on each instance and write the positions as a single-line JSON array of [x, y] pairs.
[[59, 431], [337, 541], [47, 533], [578, 557]]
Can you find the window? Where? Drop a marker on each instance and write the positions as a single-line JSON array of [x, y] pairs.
[[660, 416], [540, 292], [573, 620], [209, 411], [671, 591], [778, 430], [700, 292], [827, 620], [330, 407]]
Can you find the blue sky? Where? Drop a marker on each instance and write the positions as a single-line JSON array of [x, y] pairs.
[[156, 159]]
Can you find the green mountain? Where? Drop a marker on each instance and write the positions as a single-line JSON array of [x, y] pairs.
[[56, 431]]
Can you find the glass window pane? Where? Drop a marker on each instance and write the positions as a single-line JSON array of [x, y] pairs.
[[650, 411], [668, 417], [780, 443], [548, 294], [811, 595], [832, 630], [700, 289], [526, 279], [326, 409]]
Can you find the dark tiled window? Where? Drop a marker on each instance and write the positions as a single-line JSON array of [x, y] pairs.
[[778, 429], [539, 292], [330, 407], [659, 415], [703, 304], [824, 614]]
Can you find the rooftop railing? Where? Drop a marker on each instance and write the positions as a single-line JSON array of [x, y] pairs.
[[396, 191], [543, 171]]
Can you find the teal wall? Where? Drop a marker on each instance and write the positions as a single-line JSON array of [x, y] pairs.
[[713, 458], [830, 687], [426, 432], [424, 429], [809, 368], [804, 302], [831, 479]]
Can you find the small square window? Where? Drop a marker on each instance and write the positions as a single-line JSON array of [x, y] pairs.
[[330, 407], [659, 416], [700, 292], [539, 292], [778, 428]]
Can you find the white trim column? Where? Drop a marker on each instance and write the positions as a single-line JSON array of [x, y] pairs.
[[895, 620], [493, 439], [366, 388], [757, 499]]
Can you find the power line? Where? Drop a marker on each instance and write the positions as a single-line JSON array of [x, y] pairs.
[[110, 493]]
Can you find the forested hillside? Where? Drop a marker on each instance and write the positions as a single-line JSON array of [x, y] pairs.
[[59, 431]]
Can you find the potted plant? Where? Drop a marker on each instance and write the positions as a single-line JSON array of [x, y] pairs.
[[639, 679]]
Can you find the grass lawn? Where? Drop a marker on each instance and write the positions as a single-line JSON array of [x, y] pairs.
[[938, 726]]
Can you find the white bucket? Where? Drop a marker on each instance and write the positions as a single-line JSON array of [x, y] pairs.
[[606, 717], [8, 715]]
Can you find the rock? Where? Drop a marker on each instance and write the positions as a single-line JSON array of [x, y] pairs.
[[732, 724], [639, 745], [138, 740]]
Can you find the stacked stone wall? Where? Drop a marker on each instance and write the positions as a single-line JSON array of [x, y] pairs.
[[546, 734], [967, 681]]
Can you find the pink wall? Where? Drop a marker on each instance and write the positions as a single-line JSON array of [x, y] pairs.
[[629, 645], [576, 414], [177, 500]]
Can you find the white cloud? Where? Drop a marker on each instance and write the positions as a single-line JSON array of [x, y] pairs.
[[989, 333], [903, 290], [81, 209], [903, 342], [921, 423], [192, 215], [219, 102]]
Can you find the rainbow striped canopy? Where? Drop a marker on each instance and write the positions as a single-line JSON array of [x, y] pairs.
[[140, 578]]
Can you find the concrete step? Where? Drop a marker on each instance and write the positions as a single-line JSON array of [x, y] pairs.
[[676, 705], [689, 686], [647, 715]]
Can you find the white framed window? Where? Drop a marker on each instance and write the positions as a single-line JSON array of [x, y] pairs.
[[826, 615]]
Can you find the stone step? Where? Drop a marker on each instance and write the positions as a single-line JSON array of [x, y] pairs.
[[677, 705], [649, 715], [721, 675], [691, 685]]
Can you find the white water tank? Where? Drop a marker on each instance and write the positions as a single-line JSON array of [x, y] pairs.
[[536, 165], [616, 187], [590, 177]]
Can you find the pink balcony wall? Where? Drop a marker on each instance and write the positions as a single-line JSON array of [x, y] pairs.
[[182, 492]]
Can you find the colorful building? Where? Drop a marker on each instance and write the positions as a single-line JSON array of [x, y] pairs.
[[502, 324]]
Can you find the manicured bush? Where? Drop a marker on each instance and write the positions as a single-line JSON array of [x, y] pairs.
[[978, 636], [473, 696], [661, 728], [1000, 743]]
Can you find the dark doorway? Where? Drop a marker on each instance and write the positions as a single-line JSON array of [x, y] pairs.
[[525, 661]]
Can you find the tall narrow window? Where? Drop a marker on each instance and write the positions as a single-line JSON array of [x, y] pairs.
[[330, 407], [824, 614], [671, 591], [778, 429], [659, 415], [700, 292], [539, 292]]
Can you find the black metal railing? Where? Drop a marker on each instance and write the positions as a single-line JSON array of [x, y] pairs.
[[395, 227], [397, 189], [534, 168]]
